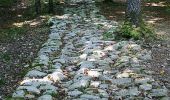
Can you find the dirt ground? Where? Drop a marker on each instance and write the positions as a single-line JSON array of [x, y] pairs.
[[20, 51], [16, 54]]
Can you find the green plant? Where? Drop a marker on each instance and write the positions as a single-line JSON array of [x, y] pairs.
[[6, 3], [144, 31], [99, 26], [5, 57], [55, 95], [11, 33], [109, 35], [127, 30], [2, 82]]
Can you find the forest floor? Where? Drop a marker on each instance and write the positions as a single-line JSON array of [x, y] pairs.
[[21, 50], [21, 36]]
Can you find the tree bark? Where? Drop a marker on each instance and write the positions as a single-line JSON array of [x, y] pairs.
[[133, 12], [37, 6], [51, 7]]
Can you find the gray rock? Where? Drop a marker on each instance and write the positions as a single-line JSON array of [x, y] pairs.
[[134, 91], [89, 97], [95, 83], [94, 73], [110, 72], [134, 47], [79, 77], [35, 82], [105, 78], [86, 64], [114, 57], [124, 59], [103, 93], [35, 73], [68, 83], [159, 92], [53, 43], [43, 59], [45, 97], [83, 56], [98, 53], [48, 89], [57, 65], [104, 64], [134, 62], [110, 48], [56, 76], [145, 55], [122, 81], [29, 96], [72, 34], [145, 87], [54, 36], [79, 84], [18, 93], [122, 75], [104, 86], [29, 89], [122, 93], [165, 98], [74, 93], [61, 60], [104, 98], [143, 80], [97, 69], [119, 45]]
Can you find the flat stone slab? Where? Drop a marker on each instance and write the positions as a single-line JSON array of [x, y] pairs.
[[45, 97], [19, 93], [29, 89], [35, 73], [159, 92], [75, 93], [89, 97], [145, 87], [122, 81]]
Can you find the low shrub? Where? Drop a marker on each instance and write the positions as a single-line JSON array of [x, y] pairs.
[[144, 31]]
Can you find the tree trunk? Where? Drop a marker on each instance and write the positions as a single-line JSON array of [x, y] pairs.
[[133, 12], [51, 7], [37, 6]]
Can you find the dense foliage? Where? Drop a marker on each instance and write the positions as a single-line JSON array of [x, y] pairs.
[[6, 3]]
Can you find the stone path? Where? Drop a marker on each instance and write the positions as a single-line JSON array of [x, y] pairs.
[[77, 64]]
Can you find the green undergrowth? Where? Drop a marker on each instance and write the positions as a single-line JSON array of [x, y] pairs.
[[5, 57], [8, 34], [2, 81], [143, 32], [6, 3], [128, 31], [109, 35]]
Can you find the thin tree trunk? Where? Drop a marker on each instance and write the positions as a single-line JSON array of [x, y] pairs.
[[133, 12], [51, 7], [37, 6]]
